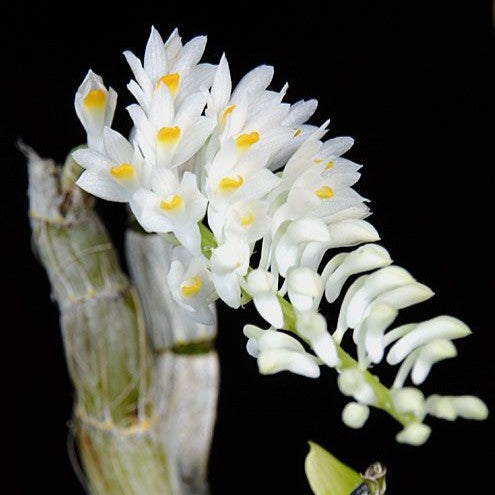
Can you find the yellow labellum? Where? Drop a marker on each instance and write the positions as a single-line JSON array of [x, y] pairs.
[[95, 99], [245, 141], [228, 183], [317, 160], [246, 220], [329, 164], [228, 111], [168, 135], [190, 287], [171, 81], [171, 203], [298, 131], [324, 192], [122, 171]]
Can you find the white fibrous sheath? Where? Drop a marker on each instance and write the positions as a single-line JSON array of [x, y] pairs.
[[233, 170]]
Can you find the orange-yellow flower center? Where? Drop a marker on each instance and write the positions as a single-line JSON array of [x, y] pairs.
[[95, 99], [245, 141], [324, 192], [171, 203], [171, 81], [246, 220], [329, 164], [168, 135], [190, 287], [123, 171], [230, 184]]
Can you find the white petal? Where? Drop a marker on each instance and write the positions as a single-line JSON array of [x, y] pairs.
[[300, 112], [117, 146], [256, 80], [430, 354], [378, 282], [271, 339], [352, 232], [191, 109], [145, 206], [155, 56], [470, 407], [228, 288], [222, 85], [202, 314], [313, 327], [162, 107], [91, 159], [414, 434], [269, 308], [189, 236], [351, 382], [260, 282], [190, 55], [354, 415], [100, 184], [373, 329], [193, 139], [275, 360], [201, 77], [441, 327], [337, 146], [365, 258], [441, 407], [139, 73], [405, 296]]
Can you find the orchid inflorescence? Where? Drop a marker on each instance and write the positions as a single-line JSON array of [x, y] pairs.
[[222, 170]]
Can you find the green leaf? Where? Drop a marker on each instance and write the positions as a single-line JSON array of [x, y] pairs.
[[327, 475], [208, 241]]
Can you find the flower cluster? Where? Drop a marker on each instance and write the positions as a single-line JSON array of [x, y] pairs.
[[226, 169]]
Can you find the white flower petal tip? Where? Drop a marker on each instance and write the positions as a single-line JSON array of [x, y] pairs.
[[414, 434], [377, 283], [351, 232], [313, 327], [304, 286], [260, 284], [355, 415], [373, 328], [409, 400], [452, 407], [365, 258], [352, 383], [441, 327], [273, 361], [429, 354]]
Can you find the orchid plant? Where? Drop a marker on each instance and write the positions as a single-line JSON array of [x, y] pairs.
[[224, 172]]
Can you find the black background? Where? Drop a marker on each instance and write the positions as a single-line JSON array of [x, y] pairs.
[[413, 84]]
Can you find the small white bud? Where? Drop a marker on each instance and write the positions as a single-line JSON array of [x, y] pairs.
[[351, 382], [354, 415], [470, 407], [414, 434], [441, 407], [409, 400]]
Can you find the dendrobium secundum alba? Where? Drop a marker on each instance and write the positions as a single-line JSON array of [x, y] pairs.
[[230, 171]]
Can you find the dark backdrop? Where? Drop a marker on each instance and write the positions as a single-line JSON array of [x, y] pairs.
[[413, 84]]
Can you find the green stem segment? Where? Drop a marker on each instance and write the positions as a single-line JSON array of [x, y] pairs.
[[382, 393]]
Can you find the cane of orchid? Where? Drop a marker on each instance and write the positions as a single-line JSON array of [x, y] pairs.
[[226, 172]]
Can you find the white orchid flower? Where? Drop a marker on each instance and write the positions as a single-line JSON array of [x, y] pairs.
[[190, 284], [168, 138], [230, 262], [172, 65], [171, 206], [262, 287], [95, 107], [277, 351], [114, 175], [247, 220]]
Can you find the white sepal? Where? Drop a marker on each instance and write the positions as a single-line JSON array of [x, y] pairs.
[[304, 285], [409, 400], [261, 285], [352, 383], [429, 354], [441, 327], [313, 328]]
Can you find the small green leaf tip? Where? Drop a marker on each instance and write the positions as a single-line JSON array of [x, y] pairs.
[[327, 475]]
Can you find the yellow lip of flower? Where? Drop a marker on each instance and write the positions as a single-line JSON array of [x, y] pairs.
[[172, 202], [246, 220], [329, 165], [124, 171], [168, 135], [324, 192], [228, 111], [229, 183], [317, 160], [171, 81], [95, 99], [297, 132], [190, 287], [245, 141]]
